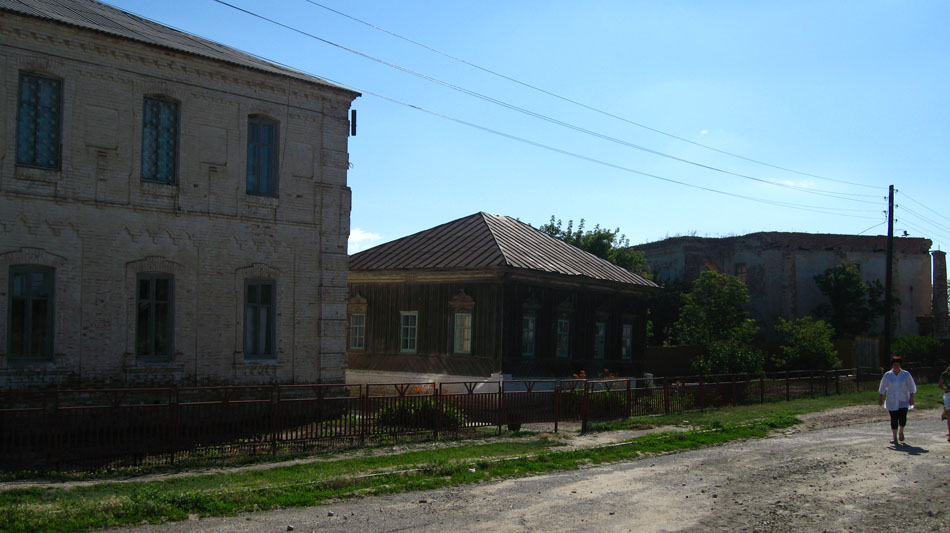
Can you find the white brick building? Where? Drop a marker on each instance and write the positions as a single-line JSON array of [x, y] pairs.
[[171, 210]]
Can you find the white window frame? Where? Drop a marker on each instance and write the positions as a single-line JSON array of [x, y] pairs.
[[462, 337], [358, 332], [408, 331]]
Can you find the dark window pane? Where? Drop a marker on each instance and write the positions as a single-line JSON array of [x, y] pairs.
[[265, 294], [18, 326], [142, 344], [161, 290], [252, 294], [19, 285], [145, 292], [163, 330], [39, 329]]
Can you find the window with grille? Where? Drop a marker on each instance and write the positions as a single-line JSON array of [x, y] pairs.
[[154, 324], [39, 120], [563, 337], [626, 342], [528, 329], [30, 326], [409, 322], [259, 299], [262, 156], [600, 339], [160, 141], [463, 333], [357, 331]]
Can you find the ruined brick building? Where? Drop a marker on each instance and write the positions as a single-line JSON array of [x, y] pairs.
[[173, 210], [779, 269]]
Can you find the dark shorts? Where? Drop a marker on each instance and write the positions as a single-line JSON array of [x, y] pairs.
[[898, 418]]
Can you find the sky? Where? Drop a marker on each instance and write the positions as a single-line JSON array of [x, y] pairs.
[[659, 118]]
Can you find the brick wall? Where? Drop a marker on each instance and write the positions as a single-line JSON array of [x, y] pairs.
[[99, 225]]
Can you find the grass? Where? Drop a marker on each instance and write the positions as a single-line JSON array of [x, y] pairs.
[[123, 504]]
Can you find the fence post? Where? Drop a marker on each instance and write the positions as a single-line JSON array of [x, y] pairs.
[[364, 415], [502, 414], [666, 396], [702, 393], [557, 403], [837, 384], [173, 425], [585, 408], [857, 380], [811, 383], [438, 412], [629, 407], [762, 389], [735, 397], [788, 390], [274, 414]]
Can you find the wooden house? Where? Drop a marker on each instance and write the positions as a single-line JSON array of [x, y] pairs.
[[488, 294]]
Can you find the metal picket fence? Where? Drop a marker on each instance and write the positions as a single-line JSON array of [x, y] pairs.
[[90, 429]]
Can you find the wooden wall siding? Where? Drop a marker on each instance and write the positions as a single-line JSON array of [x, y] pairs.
[[590, 305], [435, 328]]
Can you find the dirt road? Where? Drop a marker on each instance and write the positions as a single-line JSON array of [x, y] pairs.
[[843, 478]]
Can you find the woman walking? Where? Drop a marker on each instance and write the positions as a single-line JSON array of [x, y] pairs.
[[899, 387], [944, 385]]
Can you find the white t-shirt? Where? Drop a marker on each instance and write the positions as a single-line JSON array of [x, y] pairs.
[[898, 388]]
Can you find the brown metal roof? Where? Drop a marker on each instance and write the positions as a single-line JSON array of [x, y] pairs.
[[96, 16], [484, 240]]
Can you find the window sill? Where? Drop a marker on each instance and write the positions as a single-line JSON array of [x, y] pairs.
[[158, 188], [258, 361], [261, 200], [27, 363], [50, 175]]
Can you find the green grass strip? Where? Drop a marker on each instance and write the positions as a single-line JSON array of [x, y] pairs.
[[122, 504]]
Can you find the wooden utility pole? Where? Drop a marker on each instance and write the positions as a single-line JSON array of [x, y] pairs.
[[888, 281]]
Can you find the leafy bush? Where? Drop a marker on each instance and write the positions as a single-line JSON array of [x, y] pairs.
[[730, 357], [808, 344], [914, 348], [414, 413]]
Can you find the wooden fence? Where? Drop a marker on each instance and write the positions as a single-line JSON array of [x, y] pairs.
[[90, 429]]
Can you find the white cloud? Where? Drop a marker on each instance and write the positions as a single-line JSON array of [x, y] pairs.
[[704, 132], [361, 240]]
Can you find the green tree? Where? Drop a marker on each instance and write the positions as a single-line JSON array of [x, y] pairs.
[[853, 305], [664, 306], [714, 315], [916, 348], [807, 344], [602, 242]]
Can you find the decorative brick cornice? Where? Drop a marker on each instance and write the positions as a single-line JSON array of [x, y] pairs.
[[170, 60]]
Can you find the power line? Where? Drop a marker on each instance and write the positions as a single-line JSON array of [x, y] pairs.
[[925, 219], [581, 104], [833, 194], [924, 206], [816, 209], [924, 232]]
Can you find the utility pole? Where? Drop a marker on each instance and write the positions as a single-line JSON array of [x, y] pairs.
[[888, 280]]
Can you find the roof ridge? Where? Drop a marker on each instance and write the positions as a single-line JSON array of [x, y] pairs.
[[495, 237]]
